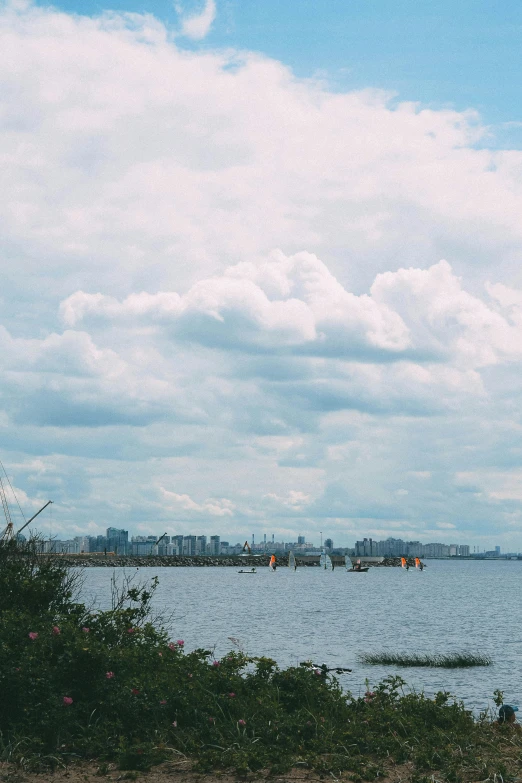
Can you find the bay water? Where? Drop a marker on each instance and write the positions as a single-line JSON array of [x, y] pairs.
[[333, 616]]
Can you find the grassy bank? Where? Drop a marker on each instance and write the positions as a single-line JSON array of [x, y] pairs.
[[112, 686]]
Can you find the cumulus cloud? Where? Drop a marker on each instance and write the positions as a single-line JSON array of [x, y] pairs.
[[198, 26], [216, 507], [351, 376]]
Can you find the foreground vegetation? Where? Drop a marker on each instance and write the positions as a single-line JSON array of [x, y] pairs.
[[77, 684], [449, 661]]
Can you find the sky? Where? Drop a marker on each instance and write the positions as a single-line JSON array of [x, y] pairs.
[[261, 268]]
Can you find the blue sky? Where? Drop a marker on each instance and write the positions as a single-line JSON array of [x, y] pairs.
[[261, 268], [464, 55]]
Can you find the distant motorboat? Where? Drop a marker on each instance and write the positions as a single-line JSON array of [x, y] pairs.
[[359, 570], [252, 571]]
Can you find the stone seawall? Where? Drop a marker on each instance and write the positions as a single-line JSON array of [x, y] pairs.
[[195, 561]]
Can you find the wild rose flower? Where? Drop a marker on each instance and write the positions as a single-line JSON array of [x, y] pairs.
[[67, 701], [180, 642], [130, 630], [160, 655], [86, 630], [317, 671], [135, 691], [56, 630], [163, 701], [109, 675], [211, 720], [216, 663], [33, 635], [173, 646], [241, 722], [175, 724], [190, 676], [231, 695]]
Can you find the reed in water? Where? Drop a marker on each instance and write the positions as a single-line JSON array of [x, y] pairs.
[[458, 660]]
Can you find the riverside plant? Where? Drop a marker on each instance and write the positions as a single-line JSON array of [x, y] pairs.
[[457, 660], [111, 686]]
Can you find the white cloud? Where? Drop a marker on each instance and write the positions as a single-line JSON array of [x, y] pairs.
[[217, 507], [145, 188], [198, 26]]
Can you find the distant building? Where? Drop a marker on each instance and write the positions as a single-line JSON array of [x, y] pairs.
[[215, 545], [117, 540], [328, 544], [189, 545]]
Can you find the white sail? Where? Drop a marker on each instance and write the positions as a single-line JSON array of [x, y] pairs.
[[291, 560], [325, 561]]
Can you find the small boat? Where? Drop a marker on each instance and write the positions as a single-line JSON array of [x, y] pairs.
[[272, 565], [252, 571], [357, 568]]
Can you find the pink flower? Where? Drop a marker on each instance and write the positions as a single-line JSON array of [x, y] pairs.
[[317, 671], [231, 695], [180, 642], [163, 701], [130, 630], [109, 675], [190, 676], [211, 720], [175, 724], [33, 635], [135, 691], [216, 663], [160, 655], [56, 630], [67, 701], [241, 722], [86, 630], [173, 646]]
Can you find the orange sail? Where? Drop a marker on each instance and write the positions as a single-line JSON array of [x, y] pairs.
[[273, 563], [417, 562], [403, 562]]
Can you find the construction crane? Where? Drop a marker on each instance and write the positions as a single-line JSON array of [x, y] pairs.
[[8, 533]]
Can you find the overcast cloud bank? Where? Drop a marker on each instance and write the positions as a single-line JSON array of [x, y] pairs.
[[165, 365]]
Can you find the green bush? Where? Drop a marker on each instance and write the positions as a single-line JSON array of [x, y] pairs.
[[111, 685]]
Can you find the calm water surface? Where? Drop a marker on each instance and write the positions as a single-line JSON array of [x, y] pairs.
[[334, 616]]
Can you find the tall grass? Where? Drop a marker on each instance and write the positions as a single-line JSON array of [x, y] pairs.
[[458, 660]]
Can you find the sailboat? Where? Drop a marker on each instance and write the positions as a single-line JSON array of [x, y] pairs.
[[291, 561], [404, 564], [272, 564], [325, 561]]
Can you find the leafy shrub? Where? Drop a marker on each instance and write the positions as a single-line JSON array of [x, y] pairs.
[[111, 685]]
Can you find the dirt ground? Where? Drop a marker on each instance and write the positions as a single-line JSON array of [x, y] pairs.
[[175, 772]]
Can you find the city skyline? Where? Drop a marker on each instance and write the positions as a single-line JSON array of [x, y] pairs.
[[117, 541]]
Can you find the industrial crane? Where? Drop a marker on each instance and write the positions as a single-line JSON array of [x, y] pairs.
[[8, 533]]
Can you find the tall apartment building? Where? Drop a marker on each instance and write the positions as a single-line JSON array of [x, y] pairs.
[[189, 545], [117, 540], [201, 545], [215, 545]]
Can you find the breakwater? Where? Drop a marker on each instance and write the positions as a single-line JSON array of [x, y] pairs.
[[110, 560]]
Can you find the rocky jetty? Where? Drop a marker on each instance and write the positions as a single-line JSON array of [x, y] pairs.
[[96, 560]]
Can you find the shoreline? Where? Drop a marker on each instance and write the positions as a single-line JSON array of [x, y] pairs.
[[96, 560]]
